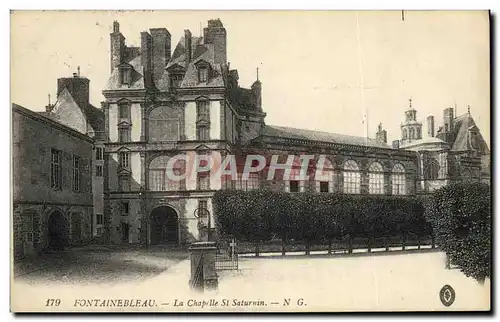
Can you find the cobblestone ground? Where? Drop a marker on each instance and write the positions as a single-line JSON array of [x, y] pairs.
[[94, 264]]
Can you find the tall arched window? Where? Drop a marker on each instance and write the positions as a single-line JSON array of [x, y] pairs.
[[352, 177], [405, 134], [164, 124], [162, 174], [398, 180], [376, 178]]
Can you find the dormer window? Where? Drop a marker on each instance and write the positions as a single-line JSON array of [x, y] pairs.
[[125, 73], [203, 74], [176, 80], [203, 69]]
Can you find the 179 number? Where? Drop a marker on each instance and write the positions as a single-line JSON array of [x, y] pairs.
[[53, 302]]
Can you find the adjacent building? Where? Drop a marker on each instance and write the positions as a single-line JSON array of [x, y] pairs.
[[162, 102], [52, 184]]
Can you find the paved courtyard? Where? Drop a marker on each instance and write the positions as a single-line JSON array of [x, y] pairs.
[[95, 264]]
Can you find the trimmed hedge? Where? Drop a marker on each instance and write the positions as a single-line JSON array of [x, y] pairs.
[[311, 217], [460, 214]]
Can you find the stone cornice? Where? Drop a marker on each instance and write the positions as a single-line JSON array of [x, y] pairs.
[[265, 139]]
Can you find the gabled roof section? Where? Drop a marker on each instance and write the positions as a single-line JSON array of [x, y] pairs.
[[294, 133], [200, 53], [93, 115], [465, 140], [65, 99]]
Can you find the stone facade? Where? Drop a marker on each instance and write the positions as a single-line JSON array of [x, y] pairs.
[[41, 145]]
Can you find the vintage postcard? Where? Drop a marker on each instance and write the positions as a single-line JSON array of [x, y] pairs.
[[250, 161]]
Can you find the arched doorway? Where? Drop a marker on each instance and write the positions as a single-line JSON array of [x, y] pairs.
[[58, 231], [164, 226]]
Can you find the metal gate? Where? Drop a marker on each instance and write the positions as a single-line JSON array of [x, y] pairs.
[[226, 257]]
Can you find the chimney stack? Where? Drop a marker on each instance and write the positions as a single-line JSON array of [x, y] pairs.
[[117, 46], [78, 87], [430, 126], [161, 51], [395, 144], [146, 59], [187, 45], [215, 34], [448, 119]]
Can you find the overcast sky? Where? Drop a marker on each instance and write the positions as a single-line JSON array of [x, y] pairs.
[[320, 70]]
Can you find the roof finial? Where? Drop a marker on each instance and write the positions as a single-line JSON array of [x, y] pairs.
[[468, 109], [78, 71], [49, 99], [257, 73], [410, 101]]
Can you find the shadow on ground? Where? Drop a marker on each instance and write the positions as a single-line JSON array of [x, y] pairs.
[[98, 264]]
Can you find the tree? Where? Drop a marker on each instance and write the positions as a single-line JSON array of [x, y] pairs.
[[460, 215]]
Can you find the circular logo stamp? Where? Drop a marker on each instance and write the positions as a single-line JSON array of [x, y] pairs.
[[447, 295]]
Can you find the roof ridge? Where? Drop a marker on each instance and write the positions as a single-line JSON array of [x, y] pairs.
[[321, 131]]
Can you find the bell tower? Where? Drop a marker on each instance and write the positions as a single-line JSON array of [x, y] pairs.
[[411, 129]]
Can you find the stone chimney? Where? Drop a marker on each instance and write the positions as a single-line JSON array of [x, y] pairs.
[[146, 57], [77, 86], [187, 45], [395, 144], [49, 107], [215, 34], [448, 119], [257, 92], [430, 126], [161, 51], [117, 46]]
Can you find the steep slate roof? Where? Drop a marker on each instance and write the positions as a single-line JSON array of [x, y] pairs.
[[200, 52], [427, 141], [94, 115], [133, 59], [462, 139], [293, 133], [244, 98]]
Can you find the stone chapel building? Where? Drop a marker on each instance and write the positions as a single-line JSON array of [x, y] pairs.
[[161, 101]]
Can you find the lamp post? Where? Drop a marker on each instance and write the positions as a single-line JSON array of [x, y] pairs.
[[200, 214]]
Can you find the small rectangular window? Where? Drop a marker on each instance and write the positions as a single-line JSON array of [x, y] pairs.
[[176, 80], [204, 181], [99, 171], [124, 159], [99, 218], [294, 186], [123, 111], [76, 173], [202, 133], [55, 169], [124, 134], [203, 74], [323, 186], [124, 183], [203, 204], [99, 154], [125, 208]]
